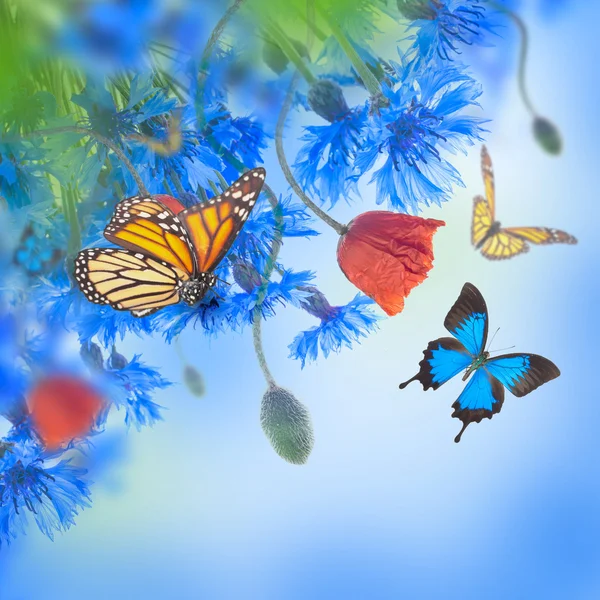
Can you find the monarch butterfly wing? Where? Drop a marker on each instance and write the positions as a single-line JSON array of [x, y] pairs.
[[126, 280], [467, 320], [442, 360], [213, 225], [482, 220], [522, 373], [148, 226], [541, 235], [488, 179], [482, 398], [503, 245]]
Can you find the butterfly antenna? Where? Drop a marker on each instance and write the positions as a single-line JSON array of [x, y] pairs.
[[495, 332], [502, 349]]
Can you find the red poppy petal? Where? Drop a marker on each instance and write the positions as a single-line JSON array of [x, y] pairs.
[[386, 255], [63, 408], [169, 202]]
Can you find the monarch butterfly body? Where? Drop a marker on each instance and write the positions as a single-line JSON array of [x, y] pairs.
[[496, 242], [168, 254]]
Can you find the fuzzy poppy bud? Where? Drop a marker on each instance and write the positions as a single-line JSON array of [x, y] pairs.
[[326, 98], [386, 255], [416, 9], [547, 135], [287, 424], [246, 276], [91, 354], [194, 381], [117, 361]]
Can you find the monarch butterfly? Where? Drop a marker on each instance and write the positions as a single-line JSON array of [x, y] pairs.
[[167, 254], [496, 242]]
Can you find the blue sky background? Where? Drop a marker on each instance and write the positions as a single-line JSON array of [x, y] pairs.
[[387, 505]]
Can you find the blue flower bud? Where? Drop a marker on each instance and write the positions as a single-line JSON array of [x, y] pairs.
[[246, 276], [117, 361], [91, 354], [326, 98], [317, 304], [287, 424], [416, 9], [547, 135], [275, 59], [194, 381]]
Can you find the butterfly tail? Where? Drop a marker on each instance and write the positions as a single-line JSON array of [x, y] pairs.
[[465, 425], [443, 359]]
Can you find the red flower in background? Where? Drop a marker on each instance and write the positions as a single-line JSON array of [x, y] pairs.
[[385, 255], [63, 408]]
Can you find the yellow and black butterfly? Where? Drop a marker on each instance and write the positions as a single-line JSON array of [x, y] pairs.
[[167, 253], [496, 242]]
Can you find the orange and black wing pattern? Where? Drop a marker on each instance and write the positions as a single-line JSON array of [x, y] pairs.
[[213, 225], [146, 225], [127, 280]]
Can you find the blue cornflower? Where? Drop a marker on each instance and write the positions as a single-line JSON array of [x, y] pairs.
[[22, 177], [53, 495], [414, 120], [340, 326], [244, 137], [54, 298], [212, 314], [325, 163], [444, 24], [14, 379], [131, 387], [107, 324], [289, 290]]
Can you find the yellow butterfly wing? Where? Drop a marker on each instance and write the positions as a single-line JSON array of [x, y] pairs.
[[503, 245], [542, 235], [147, 226], [482, 220], [127, 280], [213, 225]]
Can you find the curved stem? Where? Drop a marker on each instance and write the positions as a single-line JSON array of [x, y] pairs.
[[266, 276], [103, 140], [258, 347], [208, 49], [358, 63], [287, 104], [522, 55]]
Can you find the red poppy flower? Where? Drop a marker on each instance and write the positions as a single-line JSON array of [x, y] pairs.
[[63, 408], [385, 255], [169, 202]]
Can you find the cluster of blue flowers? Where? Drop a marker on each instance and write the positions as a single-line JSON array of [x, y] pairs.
[[60, 189]]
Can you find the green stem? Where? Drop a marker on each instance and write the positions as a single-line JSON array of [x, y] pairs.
[[290, 52], [258, 348], [358, 63], [311, 24], [204, 60], [522, 55], [287, 104], [266, 276], [103, 140], [176, 182]]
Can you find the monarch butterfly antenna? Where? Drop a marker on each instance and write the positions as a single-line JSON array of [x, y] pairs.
[[201, 192], [495, 332], [224, 184], [214, 188], [502, 349]]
